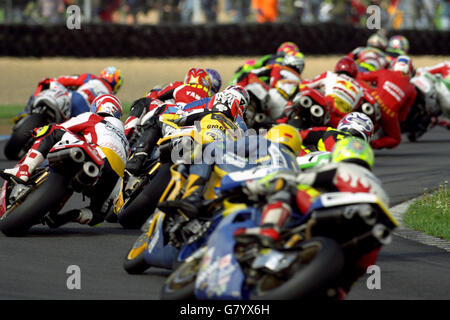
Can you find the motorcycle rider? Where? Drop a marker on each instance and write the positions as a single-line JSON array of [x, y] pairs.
[[371, 57], [354, 124], [279, 80], [398, 45], [197, 85], [277, 58], [349, 170], [340, 87], [86, 87], [395, 94], [351, 161], [234, 99], [442, 72], [277, 148], [103, 129]]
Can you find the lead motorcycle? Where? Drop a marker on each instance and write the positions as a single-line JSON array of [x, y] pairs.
[[73, 166], [313, 257]]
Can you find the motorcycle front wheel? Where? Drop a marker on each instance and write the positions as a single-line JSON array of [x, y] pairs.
[[46, 195], [319, 262], [180, 285]]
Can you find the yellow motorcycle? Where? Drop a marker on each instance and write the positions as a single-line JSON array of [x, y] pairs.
[[163, 235]]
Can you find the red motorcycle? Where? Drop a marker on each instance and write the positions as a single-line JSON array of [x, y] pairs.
[[73, 166], [309, 108]]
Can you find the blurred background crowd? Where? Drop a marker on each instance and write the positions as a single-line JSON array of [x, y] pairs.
[[396, 14]]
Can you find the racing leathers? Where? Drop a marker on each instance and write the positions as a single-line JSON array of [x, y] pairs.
[[369, 59], [279, 84], [85, 88], [305, 187], [177, 92], [395, 95], [154, 127], [246, 152], [441, 72], [106, 134], [250, 65], [320, 139]]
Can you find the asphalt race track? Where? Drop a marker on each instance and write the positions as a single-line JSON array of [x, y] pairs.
[[35, 266]]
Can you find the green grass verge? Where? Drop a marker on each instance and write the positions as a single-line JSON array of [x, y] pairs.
[[431, 213]]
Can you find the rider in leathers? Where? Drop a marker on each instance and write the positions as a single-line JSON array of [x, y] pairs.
[[102, 129]]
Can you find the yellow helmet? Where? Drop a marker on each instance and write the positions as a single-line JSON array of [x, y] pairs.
[[287, 135]]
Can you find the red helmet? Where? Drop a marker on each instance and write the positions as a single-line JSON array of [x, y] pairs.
[[198, 76], [288, 48], [348, 66]]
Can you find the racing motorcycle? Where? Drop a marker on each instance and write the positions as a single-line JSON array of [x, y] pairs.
[[73, 166], [425, 107], [49, 104], [142, 191], [314, 257], [310, 108], [266, 103], [164, 234]]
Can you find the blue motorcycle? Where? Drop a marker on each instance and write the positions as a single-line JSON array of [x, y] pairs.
[[311, 259]]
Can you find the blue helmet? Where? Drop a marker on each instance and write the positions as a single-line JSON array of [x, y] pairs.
[[216, 80]]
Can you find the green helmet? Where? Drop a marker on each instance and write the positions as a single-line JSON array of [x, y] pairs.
[[353, 150]]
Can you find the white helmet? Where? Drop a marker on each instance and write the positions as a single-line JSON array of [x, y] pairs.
[[107, 104], [294, 61], [357, 124], [58, 100]]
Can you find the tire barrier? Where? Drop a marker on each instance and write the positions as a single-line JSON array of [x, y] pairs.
[[116, 40]]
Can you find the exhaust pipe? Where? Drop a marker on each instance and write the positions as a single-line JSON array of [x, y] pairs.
[[75, 154], [382, 234], [368, 109], [317, 111], [87, 175]]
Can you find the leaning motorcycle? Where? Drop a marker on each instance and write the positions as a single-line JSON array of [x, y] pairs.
[[164, 234], [50, 104], [73, 166], [311, 259], [425, 107]]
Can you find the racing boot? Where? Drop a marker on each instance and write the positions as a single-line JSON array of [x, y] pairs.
[[26, 166], [145, 143], [82, 216], [191, 201], [274, 216]]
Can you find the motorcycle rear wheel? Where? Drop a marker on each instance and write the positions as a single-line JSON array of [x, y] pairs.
[[35, 206], [21, 136], [320, 261]]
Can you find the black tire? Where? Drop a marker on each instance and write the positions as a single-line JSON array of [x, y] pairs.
[[139, 207], [321, 269], [21, 136], [134, 262], [180, 285], [35, 206]]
